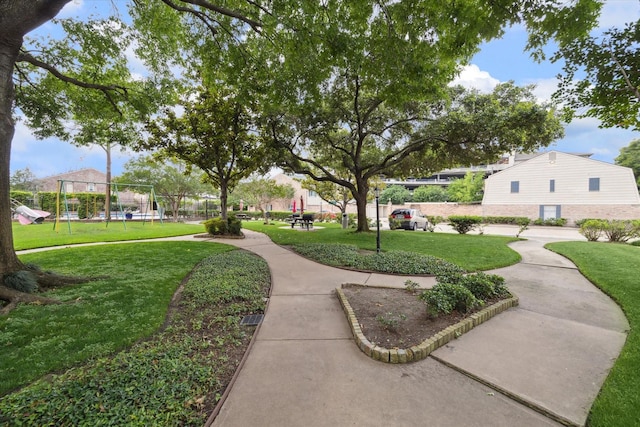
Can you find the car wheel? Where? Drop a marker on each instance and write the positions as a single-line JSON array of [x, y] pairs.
[[415, 226], [425, 227]]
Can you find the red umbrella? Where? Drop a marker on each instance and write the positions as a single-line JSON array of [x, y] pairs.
[[294, 206]]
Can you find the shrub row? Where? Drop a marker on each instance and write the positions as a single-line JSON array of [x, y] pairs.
[[557, 222], [398, 262], [465, 223], [462, 293], [615, 230]]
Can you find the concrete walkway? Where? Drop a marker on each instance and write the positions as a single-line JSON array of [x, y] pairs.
[[551, 354]]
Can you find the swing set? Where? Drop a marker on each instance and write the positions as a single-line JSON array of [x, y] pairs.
[[61, 197]]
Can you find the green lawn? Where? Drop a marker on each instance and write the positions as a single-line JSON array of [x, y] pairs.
[[471, 252], [614, 269], [101, 317], [173, 378], [44, 235], [98, 317]]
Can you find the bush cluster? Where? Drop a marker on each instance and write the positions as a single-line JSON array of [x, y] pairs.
[[462, 293], [615, 230], [464, 223], [220, 227]]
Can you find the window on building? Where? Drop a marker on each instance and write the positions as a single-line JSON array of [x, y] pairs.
[[313, 193], [92, 186], [594, 184], [515, 186], [552, 185]]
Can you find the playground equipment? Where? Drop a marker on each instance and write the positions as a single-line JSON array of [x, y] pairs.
[[27, 215], [62, 198]]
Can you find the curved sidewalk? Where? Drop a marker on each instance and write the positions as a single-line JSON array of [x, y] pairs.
[[552, 353]]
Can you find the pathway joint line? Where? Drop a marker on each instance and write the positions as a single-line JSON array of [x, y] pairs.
[[512, 396]]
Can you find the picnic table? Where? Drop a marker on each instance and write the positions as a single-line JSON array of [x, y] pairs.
[[305, 220], [242, 216]]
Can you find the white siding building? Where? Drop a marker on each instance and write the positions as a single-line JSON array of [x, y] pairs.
[[561, 185]]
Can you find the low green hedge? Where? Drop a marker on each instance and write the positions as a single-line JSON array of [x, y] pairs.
[[398, 262], [615, 230]]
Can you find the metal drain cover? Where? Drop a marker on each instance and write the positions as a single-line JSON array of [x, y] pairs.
[[252, 320]]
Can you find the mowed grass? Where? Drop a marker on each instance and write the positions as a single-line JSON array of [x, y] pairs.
[[614, 269], [173, 378], [44, 235], [99, 317], [471, 252]]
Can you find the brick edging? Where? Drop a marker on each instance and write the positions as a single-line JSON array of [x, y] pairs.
[[422, 350]]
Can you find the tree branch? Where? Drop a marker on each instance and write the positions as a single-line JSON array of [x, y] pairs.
[[627, 80], [255, 25], [105, 89], [201, 16]]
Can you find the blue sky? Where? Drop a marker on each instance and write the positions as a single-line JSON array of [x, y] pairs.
[[498, 61]]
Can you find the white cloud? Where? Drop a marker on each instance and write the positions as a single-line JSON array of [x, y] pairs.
[[617, 12], [544, 88], [472, 77], [584, 135]]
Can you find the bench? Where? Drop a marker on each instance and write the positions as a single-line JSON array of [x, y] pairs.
[[305, 221]]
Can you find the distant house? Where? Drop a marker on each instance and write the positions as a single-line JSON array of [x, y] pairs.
[[79, 181], [561, 185], [91, 181], [310, 200]]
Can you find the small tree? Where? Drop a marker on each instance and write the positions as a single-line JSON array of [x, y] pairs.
[[24, 180], [171, 181], [332, 193], [428, 193], [630, 157], [397, 194], [262, 192], [468, 189], [215, 134]]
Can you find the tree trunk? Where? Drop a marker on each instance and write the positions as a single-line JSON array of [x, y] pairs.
[[175, 207], [107, 198], [361, 203], [223, 200], [8, 53], [17, 18]]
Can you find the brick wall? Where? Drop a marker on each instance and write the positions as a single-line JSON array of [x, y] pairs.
[[571, 212]]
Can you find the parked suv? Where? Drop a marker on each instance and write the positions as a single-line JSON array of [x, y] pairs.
[[409, 219]]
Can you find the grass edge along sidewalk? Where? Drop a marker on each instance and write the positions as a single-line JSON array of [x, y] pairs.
[[614, 269], [43, 235]]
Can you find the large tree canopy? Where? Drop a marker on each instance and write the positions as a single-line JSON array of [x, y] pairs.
[[409, 139], [380, 72], [601, 77], [69, 101], [17, 18]]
